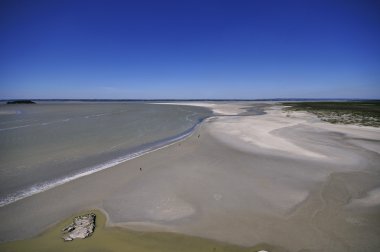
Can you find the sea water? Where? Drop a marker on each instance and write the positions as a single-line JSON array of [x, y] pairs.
[[48, 144]]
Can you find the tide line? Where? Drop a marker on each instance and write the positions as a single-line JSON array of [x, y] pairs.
[[44, 186]]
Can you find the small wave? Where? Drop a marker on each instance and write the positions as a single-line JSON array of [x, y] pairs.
[[36, 124], [53, 122], [97, 115], [12, 121], [10, 112], [16, 127], [44, 186], [40, 187]]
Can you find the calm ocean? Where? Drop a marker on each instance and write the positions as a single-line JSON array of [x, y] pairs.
[[48, 144]]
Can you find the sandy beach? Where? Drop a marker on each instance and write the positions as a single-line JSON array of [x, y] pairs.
[[282, 178]]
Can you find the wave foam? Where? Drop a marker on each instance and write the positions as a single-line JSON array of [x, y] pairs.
[[44, 186]]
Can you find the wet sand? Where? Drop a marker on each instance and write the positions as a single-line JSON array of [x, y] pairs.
[[283, 179], [118, 239]]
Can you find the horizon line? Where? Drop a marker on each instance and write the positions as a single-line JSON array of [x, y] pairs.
[[190, 99]]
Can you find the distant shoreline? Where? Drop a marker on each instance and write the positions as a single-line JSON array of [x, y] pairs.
[[192, 100]]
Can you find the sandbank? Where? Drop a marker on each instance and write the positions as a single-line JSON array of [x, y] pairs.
[[283, 179]]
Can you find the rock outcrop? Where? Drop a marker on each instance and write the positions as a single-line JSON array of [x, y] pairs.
[[82, 227]]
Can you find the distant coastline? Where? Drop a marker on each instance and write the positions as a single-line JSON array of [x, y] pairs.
[[188, 100]]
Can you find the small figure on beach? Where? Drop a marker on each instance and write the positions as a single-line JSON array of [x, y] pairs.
[[199, 136], [140, 169]]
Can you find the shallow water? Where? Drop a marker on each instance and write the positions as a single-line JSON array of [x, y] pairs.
[[50, 143], [114, 239]]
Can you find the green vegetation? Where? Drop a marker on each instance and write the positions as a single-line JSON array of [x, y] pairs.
[[366, 113], [118, 239]]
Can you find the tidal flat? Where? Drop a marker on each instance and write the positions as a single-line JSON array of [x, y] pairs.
[[282, 178], [46, 144], [121, 239]]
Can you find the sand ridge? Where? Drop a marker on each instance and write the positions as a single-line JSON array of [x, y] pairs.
[[218, 185], [259, 130], [219, 108]]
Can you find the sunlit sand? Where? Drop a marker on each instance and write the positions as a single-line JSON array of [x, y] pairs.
[[284, 179]]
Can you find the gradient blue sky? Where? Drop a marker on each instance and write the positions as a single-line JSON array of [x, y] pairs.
[[189, 49]]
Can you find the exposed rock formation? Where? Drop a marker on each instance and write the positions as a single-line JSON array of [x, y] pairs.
[[82, 227]]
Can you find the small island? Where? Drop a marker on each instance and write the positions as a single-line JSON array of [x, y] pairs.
[[21, 102]]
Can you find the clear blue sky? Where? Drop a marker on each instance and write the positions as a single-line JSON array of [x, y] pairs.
[[189, 49]]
